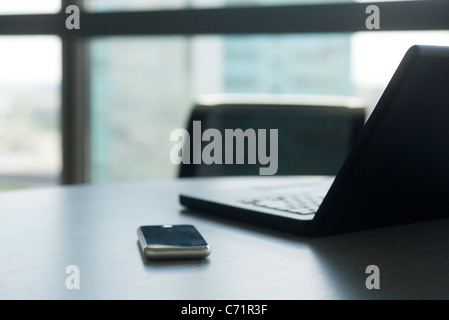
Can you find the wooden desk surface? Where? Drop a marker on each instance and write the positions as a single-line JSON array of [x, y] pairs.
[[94, 227]]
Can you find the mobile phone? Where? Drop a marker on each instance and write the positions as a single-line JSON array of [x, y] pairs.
[[172, 242]]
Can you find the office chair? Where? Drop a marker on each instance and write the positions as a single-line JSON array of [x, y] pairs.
[[315, 134]]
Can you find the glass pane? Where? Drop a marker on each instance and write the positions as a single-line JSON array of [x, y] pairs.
[[29, 6], [139, 94], [144, 87], [375, 57], [130, 5], [29, 111], [287, 64], [133, 5]]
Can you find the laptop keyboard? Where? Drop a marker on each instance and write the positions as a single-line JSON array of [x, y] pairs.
[[305, 203]]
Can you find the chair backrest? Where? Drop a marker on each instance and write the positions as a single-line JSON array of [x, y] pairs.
[[315, 134]]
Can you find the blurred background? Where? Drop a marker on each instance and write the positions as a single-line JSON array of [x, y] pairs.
[[141, 87]]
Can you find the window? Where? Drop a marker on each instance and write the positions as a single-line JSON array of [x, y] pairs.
[[109, 94], [375, 57], [29, 6], [29, 111], [142, 88]]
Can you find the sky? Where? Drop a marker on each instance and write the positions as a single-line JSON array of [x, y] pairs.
[[30, 59]]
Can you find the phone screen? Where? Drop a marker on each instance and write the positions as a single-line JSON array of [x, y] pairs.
[[173, 235]]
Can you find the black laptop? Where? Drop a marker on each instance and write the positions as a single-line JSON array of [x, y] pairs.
[[397, 172]]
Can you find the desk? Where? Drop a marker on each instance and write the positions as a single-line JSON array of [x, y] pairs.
[[94, 227]]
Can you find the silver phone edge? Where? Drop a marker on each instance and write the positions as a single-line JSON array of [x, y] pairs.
[[173, 253]]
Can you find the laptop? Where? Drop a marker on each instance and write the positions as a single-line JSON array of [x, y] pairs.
[[397, 171]]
